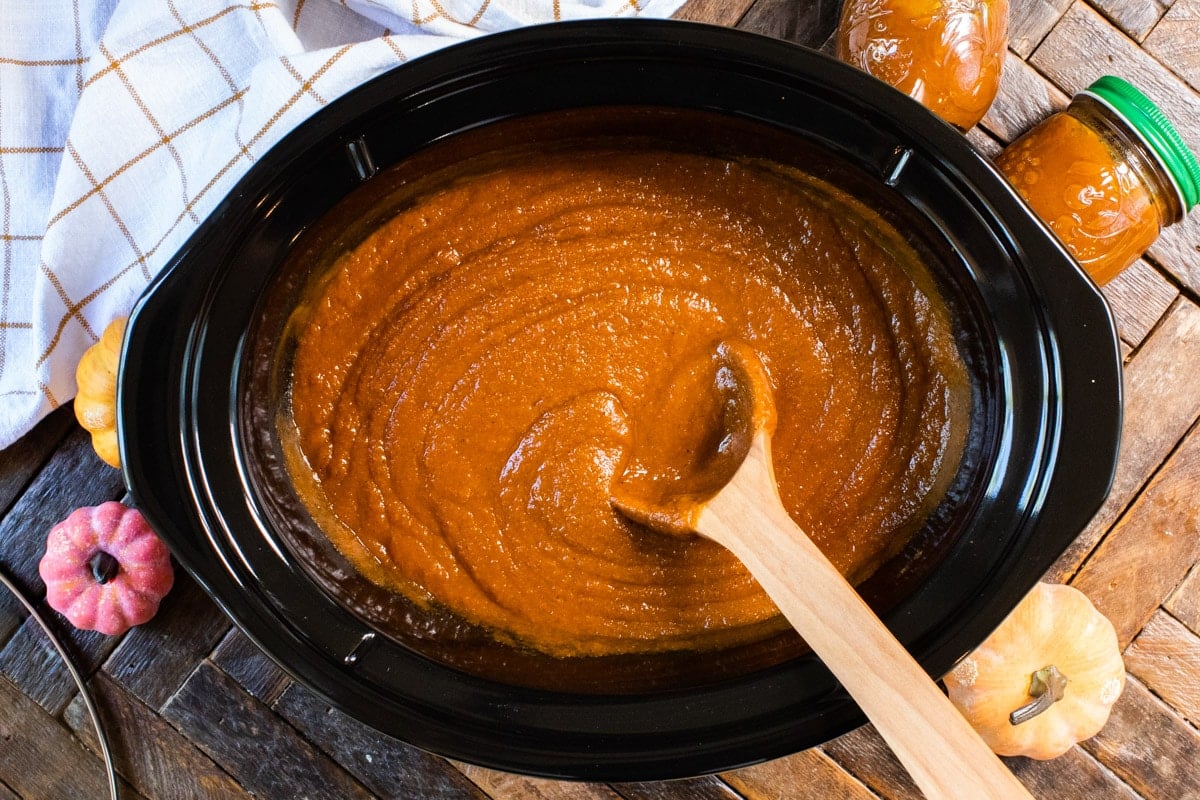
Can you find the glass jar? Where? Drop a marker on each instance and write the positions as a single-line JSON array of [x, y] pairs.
[[1106, 174], [946, 55]]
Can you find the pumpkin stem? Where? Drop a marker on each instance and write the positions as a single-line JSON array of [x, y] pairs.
[[1047, 686], [104, 567]]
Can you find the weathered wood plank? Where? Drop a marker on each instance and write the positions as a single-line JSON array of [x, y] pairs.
[[865, 755], [148, 752], [74, 476], [387, 767], [264, 754], [1184, 602], [1030, 20], [708, 788], [1177, 250], [7, 793], [1082, 47], [41, 759], [1139, 297], [714, 12], [1151, 548], [21, 461], [829, 46], [154, 659], [30, 661], [1149, 747], [1024, 99], [507, 786], [1165, 656], [1161, 403], [240, 659], [1135, 17], [1174, 41], [808, 775], [984, 142], [809, 23], [12, 614], [1073, 774]]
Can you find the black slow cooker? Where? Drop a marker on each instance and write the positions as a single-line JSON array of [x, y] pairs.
[[201, 462]]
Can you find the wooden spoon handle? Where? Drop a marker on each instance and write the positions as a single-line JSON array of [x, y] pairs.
[[942, 752]]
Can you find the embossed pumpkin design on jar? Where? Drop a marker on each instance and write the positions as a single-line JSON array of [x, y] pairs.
[[946, 54], [1107, 174]]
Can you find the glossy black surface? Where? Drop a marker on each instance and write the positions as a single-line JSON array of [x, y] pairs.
[[1041, 338]]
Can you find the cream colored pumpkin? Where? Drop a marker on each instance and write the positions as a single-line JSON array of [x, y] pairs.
[[1053, 625], [96, 400]]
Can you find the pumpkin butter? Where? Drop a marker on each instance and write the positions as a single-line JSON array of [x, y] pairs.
[[470, 380]]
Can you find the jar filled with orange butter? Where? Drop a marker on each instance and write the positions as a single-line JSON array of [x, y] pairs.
[[1106, 174]]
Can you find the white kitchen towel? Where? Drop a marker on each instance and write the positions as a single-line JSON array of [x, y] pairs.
[[124, 122]]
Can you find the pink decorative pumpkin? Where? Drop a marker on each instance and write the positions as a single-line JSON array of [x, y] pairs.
[[105, 569]]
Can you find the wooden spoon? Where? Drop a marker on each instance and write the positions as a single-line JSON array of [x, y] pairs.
[[942, 752]]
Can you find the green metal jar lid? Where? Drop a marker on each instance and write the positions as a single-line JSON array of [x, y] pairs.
[[1156, 130]]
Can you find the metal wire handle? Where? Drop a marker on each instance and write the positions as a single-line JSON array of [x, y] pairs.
[[84, 693]]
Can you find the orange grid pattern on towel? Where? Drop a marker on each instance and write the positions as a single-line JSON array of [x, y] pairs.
[[124, 122]]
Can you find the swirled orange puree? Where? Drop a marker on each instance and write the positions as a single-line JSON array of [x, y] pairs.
[[470, 379]]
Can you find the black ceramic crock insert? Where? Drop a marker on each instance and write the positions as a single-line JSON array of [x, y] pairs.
[[1038, 334]]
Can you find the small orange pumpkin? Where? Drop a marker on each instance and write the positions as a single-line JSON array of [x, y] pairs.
[[96, 400], [1045, 679]]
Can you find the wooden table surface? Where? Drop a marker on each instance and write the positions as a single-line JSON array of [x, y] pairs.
[[195, 711]]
